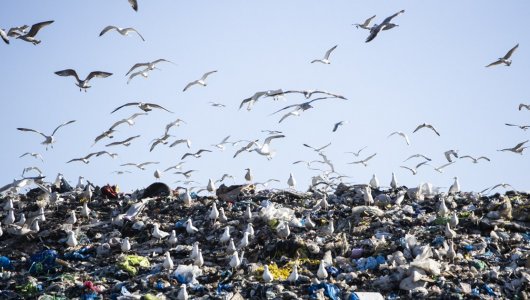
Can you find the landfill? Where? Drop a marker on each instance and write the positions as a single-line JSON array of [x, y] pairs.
[[335, 241]]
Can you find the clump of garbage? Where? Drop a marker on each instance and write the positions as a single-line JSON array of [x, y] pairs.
[[240, 242]]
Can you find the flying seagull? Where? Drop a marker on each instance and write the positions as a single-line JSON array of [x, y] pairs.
[[107, 133], [356, 154], [265, 148], [180, 141], [505, 59], [129, 120], [475, 160], [144, 73], [134, 4], [83, 84], [386, 25], [425, 125], [517, 149], [196, 154], [148, 65], [221, 145], [143, 106], [186, 174], [417, 155], [307, 93], [300, 107], [84, 159], [318, 150], [366, 24], [126, 142], [4, 36], [35, 155], [336, 126], [161, 140], [48, 139], [254, 98], [142, 165], [247, 148], [176, 167], [174, 123], [448, 154], [364, 161], [122, 31], [415, 169], [216, 104], [325, 60], [522, 105], [30, 36], [402, 135], [201, 81], [440, 168], [523, 127]]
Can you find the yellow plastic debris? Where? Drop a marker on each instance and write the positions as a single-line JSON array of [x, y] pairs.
[[132, 262]]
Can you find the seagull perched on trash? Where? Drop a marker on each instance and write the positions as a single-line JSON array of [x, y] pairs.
[[455, 187], [168, 262], [214, 213], [125, 245], [190, 229], [83, 84], [321, 272], [385, 25], [393, 182], [517, 148], [325, 60], [201, 81], [71, 240], [157, 233], [122, 31], [267, 275], [48, 139], [143, 106], [402, 135], [505, 59], [225, 237], [235, 261], [425, 125], [291, 182], [364, 161], [35, 28], [366, 23]]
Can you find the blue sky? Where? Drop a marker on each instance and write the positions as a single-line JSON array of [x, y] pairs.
[[429, 69]]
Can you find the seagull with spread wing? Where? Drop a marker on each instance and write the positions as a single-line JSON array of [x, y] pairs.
[[83, 84], [122, 31], [143, 106], [126, 142], [35, 155], [196, 154], [325, 60], [364, 161], [106, 134], [440, 168], [265, 148], [319, 149], [505, 59], [201, 81], [517, 148], [475, 160], [415, 169], [48, 139], [35, 28], [85, 159], [416, 156], [522, 105], [299, 108], [386, 25], [365, 24], [402, 134], [141, 166], [356, 154], [425, 125], [148, 65], [129, 120], [523, 127]]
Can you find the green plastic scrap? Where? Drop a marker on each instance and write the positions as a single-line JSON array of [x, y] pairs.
[[132, 262], [477, 263], [150, 297]]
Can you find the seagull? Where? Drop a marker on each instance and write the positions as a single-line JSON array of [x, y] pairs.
[[523, 127], [30, 36], [174, 123], [83, 84], [425, 125], [325, 161], [161, 140], [129, 120], [200, 81], [140, 166], [180, 141], [143, 106], [221, 145], [291, 182], [318, 150], [455, 187], [448, 154], [172, 240], [374, 182], [216, 104], [250, 229], [4, 36], [10, 218], [356, 154], [210, 187], [265, 148], [72, 219], [253, 99], [298, 108], [48, 139], [248, 176], [196, 154], [107, 133], [125, 245], [505, 59], [144, 73], [134, 4], [28, 169], [83, 159], [225, 237], [157, 174], [183, 293], [122, 31], [247, 148], [214, 213], [417, 155], [149, 66], [415, 169], [364, 161], [267, 275], [244, 240], [454, 219], [307, 93], [126, 142], [168, 262], [517, 149], [157, 233], [71, 240], [199, 260], [224, 177], [190, 229], [222, 216], [522, 105], [176, 167], [35, 155], [401, 134], [366, 24], [266, 183], [393, 182], [440, 168], [449, 233], [336, 126], [385, 25], [325, 60], [321, 272], [235, 261], [186, 174], [475, 160], [504, 185]]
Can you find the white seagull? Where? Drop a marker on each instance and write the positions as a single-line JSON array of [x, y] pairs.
[[143, 106], [122, 31], [425, 125], [364, 161], [201, 81], [475, 160], [517, 148], [325, 60], [35, 155], [148, 65], [30, 36], [366, 24], [265, 148], [402, 135], [505, 59], [83, 84], [48, 139], [440, 168], [126, 142]]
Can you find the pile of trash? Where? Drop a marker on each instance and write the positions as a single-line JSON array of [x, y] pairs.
[[238, 242]]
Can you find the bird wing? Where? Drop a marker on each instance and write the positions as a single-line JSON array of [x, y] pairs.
[[412, 170], [148, 163], [118, 123], [4, 36], [336, 126], [507, 56], [406, 137], [421, 164], [99, 74], [373, 33], [270, 138], [388, 19], [202, 150], [433, 129], [418, 128], [134, 4], [136, 74], [91, 154], [128, 164], [130, 29], [137, 66], [527, 106], [484, 157], [136, 115], [207, 74], [126, 104], [32, 130], [467, 156], [107, 29], [445, 165], [64, 124], [189, 85], [367, 21], [520, 144], [507, 124], [131, 138], [158, 106], [494, 63], [68, 72], [184, 156], [370, 157], [75, 159], [36, 27], [328, 53], [161, 60], [178, 142]]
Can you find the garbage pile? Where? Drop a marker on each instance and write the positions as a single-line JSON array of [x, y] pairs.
[[238, 242]]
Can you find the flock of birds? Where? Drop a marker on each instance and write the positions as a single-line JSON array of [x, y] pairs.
[[312, 98]]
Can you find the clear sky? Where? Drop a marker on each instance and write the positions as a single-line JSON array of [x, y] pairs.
[[429, 69]]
